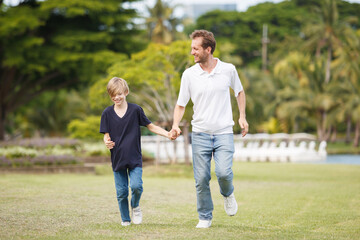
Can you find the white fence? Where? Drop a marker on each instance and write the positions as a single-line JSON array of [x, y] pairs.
[[254, 147]]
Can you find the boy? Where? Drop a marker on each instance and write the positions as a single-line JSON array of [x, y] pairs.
[[120, 124]]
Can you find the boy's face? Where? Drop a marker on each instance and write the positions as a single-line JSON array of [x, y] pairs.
[[119, 98]]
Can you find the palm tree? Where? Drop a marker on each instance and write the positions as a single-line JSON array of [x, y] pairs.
[[347, 71], [162, 23], [303, 96], [324, 33]]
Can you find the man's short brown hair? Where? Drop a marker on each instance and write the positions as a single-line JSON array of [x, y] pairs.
[[116, 86], [208, 39]]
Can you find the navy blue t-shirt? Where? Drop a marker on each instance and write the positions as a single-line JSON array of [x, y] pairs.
[[125, 132]]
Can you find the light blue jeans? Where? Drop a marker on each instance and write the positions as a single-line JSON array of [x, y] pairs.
[[122, 190], [204, 147]]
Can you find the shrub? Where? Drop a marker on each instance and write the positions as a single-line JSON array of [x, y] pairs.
[[85, 129]]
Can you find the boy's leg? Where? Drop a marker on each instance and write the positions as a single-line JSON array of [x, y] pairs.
[[223, 157], [136, 185], [122, 192], [202, 153]]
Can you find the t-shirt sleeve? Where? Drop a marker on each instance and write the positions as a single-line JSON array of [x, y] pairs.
[[143, 120], [235, 82], [184, 93], [104, 127]]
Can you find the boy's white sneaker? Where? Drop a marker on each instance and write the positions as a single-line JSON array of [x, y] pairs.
[[230, 205], [137, 215], [204, 224], [125, 224]]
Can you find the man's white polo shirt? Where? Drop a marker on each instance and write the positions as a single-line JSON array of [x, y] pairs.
[[211, 96]]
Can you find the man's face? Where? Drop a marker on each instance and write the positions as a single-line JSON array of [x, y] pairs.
[[200, 54]]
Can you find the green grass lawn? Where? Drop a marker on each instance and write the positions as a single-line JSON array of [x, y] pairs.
[[276, 201]]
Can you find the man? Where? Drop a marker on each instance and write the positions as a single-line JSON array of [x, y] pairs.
[[207, 84]]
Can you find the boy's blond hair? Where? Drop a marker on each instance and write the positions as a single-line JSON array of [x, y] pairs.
[[117, 85]]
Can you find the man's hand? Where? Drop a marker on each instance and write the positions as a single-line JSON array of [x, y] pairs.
[[244, 126], [172, 135], [108, 143], [176, 130]]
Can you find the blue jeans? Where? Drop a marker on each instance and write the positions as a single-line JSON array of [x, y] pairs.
[[122, 190], [204, 146]]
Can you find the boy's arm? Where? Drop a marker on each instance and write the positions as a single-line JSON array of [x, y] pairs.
[[107, 140], [160, 131]]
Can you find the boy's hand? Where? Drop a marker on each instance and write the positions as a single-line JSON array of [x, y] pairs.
[[108, 143], [172, 135]]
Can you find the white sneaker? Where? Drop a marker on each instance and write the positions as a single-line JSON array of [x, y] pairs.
[[230, 205], [125, 224], [137, 215], [204, 224]]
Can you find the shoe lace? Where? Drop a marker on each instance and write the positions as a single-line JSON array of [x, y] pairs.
[[137, 212], [229, 202]]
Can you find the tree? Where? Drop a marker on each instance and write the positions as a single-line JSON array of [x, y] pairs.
[[162, 23], [304, 96], [347, 88], [54, 44]]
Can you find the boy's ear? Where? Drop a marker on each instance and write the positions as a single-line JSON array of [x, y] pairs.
[[126, 93]]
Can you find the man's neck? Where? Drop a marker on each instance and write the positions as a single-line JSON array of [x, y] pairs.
[[209, 65]]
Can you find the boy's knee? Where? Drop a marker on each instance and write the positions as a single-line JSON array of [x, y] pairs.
[[137, 188], [122, 193]]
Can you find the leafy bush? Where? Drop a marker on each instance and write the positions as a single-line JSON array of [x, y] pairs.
[[39, 161], [85, 129]]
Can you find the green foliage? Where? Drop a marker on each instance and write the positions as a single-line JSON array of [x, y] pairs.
[[54, 44], [85, 129], [153, 76]]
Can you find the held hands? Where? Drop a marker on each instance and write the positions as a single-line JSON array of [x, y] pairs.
[[172, 134], [244, 126]]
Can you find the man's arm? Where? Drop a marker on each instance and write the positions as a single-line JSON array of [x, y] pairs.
[[241, 101], [178, 115]]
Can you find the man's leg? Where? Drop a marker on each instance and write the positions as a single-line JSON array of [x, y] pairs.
[[223, 157], [202, 153]]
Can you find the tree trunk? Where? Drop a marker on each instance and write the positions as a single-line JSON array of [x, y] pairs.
[[186, 143], [157, 157], [357, 134], [333, 135], [328, 64], [174, 158], [2, 123], [348, 131]]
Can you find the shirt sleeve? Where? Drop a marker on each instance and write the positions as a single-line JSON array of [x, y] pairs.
[[235, 82], [104, 127], [143, 120], [184, 93]]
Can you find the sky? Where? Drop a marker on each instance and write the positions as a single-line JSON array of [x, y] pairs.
[[242, 5]]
